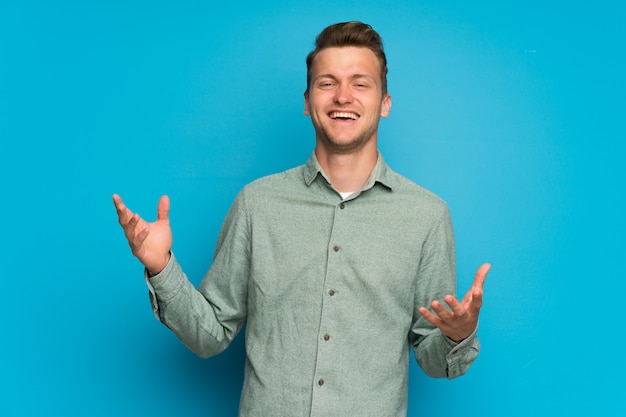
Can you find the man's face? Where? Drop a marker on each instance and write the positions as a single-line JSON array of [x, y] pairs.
[[345, 99]]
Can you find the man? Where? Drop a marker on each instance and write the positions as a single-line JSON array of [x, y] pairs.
[[330, 264]]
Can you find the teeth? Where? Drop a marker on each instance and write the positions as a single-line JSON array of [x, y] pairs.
[[343, 115]]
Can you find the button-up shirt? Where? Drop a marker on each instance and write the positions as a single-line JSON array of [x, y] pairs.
[[330, 290]]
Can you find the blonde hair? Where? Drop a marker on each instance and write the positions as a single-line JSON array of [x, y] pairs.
[[349, 34]]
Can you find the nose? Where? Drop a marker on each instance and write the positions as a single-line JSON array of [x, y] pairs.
[[343, 94]]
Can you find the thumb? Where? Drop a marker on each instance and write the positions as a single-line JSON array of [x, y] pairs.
[[163, 208], [481, 275]]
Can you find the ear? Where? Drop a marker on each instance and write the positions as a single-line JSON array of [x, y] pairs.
[[307, 111], [386, 106]]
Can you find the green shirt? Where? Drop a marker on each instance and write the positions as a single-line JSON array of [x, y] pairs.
[[330, 290]]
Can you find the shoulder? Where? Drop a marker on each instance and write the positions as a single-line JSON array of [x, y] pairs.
[[413, 193], [290, 177], [269, 187]]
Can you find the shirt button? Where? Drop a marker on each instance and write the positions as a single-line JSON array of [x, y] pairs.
[[320, 382], [326, 337], [331, 292], [342, 206], [336, 248]]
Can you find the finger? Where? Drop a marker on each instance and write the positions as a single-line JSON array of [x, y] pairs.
[[441, 311], [119, 203], [481, 275], [456, 307], [477, 299], [134, 228], [138, 239], [163, 208], [123, 213], [430, 317]]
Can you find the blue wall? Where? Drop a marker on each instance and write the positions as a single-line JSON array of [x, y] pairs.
[[511, 111]]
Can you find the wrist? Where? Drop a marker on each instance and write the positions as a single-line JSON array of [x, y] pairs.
[[155, 270], [152, 274]]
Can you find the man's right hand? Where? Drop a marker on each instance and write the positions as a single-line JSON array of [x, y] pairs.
[[150, 242]]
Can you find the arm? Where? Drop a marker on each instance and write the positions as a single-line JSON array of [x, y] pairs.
[[206, 320], [445, 344], [200, 318]]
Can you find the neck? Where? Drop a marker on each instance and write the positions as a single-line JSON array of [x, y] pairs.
[[348, 172]]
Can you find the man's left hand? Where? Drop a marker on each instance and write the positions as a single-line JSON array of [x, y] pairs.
[[461, 322]]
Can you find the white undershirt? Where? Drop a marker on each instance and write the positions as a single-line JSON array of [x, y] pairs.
[[346, 195]]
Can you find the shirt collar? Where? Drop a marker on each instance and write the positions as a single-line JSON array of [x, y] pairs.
[[380, 174]]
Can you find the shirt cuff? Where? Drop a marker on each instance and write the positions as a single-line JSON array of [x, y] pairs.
[[163, 286], [461, 355]]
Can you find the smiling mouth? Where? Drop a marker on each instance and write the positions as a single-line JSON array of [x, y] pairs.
[[343, 115]]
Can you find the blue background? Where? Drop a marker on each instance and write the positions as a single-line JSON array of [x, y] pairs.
[[513, 112]]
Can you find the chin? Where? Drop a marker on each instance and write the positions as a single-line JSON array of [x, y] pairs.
[[346, 146]]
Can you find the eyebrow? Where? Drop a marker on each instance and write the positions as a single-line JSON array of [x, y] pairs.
[[353, 77]]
